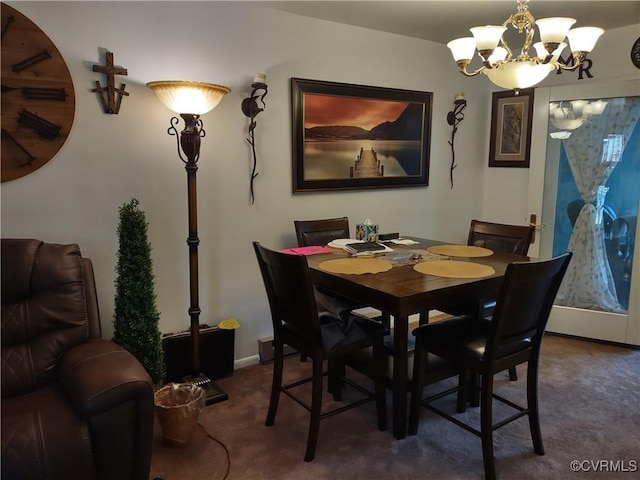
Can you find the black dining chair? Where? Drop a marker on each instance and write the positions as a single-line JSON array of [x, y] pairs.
[[296, 322], [482, 347], [321, 231], [498, 237], [501, 237]]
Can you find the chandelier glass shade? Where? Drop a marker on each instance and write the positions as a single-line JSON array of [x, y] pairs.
[[535, 61]]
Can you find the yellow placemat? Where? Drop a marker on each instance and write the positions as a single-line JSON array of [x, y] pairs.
[[460, 250], [355, 266], [454, 269]]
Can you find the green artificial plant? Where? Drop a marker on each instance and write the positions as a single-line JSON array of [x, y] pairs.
[[136, 316]]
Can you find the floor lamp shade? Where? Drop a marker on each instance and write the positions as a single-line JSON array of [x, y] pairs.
[[188, 97]]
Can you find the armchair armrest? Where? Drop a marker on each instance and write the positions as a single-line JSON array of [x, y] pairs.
[[99, 375], [113, 393]]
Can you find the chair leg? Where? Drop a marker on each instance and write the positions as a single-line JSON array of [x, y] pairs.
[[380, 387], [513, 374], [486, 426], [419, 367], [424, 318], [336, 370], [385, 318], [316, 406], [532, 403], [276, 383], [463, 392], [474, 391]]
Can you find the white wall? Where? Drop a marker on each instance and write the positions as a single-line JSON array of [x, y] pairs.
[[109, 159]]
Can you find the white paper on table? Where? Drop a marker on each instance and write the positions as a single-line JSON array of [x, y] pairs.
[[403, 241]]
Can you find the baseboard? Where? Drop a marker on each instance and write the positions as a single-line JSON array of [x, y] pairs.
[[246, 361]]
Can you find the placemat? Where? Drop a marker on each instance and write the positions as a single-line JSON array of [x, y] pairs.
[[355, 266], [460, 250], [454, 269]]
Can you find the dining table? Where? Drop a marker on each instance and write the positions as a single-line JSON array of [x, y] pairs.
[[403, 291]]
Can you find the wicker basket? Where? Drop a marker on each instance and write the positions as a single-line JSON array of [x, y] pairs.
[[178, 406]]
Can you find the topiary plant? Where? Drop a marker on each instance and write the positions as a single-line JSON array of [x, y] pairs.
[[136, 316]]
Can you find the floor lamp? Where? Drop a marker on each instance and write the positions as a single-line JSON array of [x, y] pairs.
[[190, 100]]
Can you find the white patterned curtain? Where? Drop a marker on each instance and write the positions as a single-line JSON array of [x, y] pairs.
[[593, 151]]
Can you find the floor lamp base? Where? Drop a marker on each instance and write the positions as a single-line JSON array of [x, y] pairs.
[[212, 392]]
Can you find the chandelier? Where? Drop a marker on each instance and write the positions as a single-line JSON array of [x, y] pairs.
[[508, 70], [570, 115]]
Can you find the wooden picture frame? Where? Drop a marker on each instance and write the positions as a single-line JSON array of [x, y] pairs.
[[350, 137], [511, 116]]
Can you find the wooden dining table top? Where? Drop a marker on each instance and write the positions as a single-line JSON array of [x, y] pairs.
[[402, 291]]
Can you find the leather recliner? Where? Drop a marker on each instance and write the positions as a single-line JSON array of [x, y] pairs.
[[74, 405]]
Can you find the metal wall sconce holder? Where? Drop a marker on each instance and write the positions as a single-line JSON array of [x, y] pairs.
[[454, 117], [251, 109]]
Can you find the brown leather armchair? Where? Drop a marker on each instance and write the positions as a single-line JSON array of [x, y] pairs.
[[74, 405]]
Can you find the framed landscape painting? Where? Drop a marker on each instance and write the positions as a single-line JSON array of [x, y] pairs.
[[354, 136], [510, 142]]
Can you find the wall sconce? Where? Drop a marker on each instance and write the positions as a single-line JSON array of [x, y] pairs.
[[454, 117], [251, 109], [190, 100]]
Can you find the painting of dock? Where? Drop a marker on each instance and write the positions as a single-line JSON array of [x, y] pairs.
[[351, 136]]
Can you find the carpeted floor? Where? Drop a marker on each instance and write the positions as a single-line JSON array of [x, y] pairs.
[[590, 413]]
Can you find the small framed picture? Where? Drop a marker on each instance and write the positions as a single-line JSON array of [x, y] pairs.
[[350, 137], [511, 115]]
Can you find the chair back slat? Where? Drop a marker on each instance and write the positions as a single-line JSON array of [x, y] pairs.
[[321, 232], [501, 237], [290, 292], [524, 303]]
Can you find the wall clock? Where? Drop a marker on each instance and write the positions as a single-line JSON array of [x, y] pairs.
[[635, 53], [38, 99]]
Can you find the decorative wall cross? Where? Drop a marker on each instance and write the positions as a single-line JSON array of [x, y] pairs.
[[110, 104]]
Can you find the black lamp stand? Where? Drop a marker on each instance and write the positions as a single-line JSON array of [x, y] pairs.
[[189, 143]]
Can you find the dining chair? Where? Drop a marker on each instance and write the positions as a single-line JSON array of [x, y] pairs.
[[484, 347], [322, 231], [498, 237], [296, 322], [501, 237]]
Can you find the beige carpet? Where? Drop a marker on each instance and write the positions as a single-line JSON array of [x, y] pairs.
[[590, 411]]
